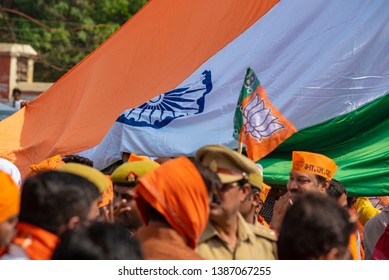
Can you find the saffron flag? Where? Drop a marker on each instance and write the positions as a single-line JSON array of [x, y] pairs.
[[257, 123], [167, 83]]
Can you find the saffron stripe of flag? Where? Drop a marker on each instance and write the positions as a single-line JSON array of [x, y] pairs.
[[150, 54]]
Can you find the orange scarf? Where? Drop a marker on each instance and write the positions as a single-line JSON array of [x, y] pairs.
[[52, 163], [36, 242], [176, 190], [356, 253]]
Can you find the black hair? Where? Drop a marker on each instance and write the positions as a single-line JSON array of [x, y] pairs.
[[313, 226], [99, 241], [320, 179], [77, 159], [16, 91], [336, 189], [49, 199]]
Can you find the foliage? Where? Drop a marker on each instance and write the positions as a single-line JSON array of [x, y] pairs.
[[62, 32]]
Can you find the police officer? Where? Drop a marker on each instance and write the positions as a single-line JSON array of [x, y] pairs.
[[228, 236], [124, 179]]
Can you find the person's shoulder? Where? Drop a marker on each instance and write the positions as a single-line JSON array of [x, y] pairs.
[[261, 231]]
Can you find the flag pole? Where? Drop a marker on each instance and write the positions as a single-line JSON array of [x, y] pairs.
[[240, 147], [240, 140]]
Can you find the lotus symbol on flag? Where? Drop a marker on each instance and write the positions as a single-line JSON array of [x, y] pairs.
[[177, 103], [257, 120]]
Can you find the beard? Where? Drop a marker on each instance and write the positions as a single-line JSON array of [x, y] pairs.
[[131, 220]]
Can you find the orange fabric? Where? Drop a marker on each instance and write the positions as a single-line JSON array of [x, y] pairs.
[[51, 163], [264, 192], [384, 200], [63, 120], [314, 164], [36, 242], [262, 221], [107, 195], [258, 149], [164, 244], [360, 228], [9, 197], [134, 157], [353, 248], [177, 191]]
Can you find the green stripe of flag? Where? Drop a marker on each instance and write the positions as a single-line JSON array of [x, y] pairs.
[[357, 141]]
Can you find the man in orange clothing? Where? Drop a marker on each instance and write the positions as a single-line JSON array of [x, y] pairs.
[[51, 202], [310, 172], [173, 200], [9, 208]]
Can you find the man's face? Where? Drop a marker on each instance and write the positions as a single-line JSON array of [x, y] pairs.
[[93, 210], [300, 182], [124, 198], [246, 207], [7, 230], [229, 199], [342, 200]]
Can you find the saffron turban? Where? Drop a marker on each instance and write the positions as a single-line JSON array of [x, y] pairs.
[[177, 191]]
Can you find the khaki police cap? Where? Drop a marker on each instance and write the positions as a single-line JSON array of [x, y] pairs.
[[129, 172], [230, 165], [89, 173], [256, 179]]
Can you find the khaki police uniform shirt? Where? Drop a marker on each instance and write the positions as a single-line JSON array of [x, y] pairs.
[[254, 243]]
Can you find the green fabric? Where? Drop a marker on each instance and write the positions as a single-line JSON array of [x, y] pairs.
[[250, 84], [357, 141]]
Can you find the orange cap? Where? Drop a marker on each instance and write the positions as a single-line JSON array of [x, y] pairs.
[[264, 192], [314, 164], [134, 157], [9, 197], [51, 163]]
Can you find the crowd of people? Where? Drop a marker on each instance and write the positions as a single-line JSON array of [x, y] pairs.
[[205, 207]]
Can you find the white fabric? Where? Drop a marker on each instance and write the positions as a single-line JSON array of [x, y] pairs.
[[15, 252], [11, 169], [316, 60]]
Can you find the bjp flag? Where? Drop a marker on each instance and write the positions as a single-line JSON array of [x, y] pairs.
[[257, 123]]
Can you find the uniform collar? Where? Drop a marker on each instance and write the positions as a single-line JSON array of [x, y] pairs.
[[244, 231]]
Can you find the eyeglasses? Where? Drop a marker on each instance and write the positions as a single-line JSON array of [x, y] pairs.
[[228, 186]]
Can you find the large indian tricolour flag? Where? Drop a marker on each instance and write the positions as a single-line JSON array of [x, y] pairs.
[[169, 80]]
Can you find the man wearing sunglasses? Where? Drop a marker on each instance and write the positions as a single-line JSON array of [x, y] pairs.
[[228, 236]]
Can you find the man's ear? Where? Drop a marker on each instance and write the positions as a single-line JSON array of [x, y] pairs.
[[256, 199], [323, 186], [244, 191], [73, 222]]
